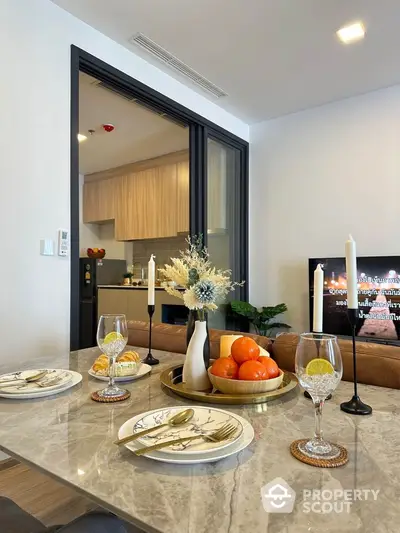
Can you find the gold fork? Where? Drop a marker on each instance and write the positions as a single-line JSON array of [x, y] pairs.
[[221, 434]]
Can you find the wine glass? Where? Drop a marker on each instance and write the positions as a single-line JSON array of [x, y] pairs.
[[112, 337], [319, 370]]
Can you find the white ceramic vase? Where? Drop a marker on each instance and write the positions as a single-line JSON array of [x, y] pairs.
[[194, 370]]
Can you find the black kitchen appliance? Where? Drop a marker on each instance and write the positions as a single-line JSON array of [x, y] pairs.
[[92, 273]]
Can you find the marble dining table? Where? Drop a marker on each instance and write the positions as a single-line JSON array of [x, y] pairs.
[[70, 438]]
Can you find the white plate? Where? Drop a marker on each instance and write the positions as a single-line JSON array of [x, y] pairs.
[[33, 388], [76, 378], [245, 439], [143, 370], [206, 420]]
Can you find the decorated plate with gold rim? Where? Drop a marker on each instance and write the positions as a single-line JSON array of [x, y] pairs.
[[236, 447], [205, 421]]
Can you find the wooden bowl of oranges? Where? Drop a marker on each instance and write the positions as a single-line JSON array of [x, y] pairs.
[[245, 371]]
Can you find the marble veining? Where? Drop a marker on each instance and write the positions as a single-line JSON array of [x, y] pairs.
[[71, 437]]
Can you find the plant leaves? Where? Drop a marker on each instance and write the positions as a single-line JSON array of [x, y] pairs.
[[271, 312], [244, 309]]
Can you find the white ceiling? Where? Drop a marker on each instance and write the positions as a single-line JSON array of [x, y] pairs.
[[139, 133], [272, 57]]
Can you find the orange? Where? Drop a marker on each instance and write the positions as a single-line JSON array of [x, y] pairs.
[[253, 371], [270, 365], [245, 349], [225, 367]]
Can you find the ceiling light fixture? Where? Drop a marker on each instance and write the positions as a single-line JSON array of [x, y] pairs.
[[81, 137], [352, 33]]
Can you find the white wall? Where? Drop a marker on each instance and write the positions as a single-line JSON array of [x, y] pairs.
[[317, 176], [35, 40]]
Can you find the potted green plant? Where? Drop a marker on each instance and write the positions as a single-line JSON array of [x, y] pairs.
[[261, 318], [127, 278]]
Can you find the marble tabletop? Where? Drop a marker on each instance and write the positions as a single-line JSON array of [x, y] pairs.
[[70, 437]]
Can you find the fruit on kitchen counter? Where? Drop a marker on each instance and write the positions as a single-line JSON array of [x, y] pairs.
[[89, 250], [270, 365], [245, 349], [225, 367], [252, 371]]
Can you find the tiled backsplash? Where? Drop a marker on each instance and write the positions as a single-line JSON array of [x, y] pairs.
[[163, 249]]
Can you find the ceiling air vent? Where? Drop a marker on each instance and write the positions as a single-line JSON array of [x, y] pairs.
[[173, 62]]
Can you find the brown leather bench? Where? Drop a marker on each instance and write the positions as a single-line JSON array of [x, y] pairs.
[[172, 338], [377, 364]]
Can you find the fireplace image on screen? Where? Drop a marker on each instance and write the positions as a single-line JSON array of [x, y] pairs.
[[378, 296]]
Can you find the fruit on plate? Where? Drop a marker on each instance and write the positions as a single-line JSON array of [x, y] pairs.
[[252, 371], [245, 349], [319, 366], [95, 250], [270, 365], [89, 250], [225, 367]]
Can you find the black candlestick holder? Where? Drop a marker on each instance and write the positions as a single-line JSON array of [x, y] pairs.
[[306, 393], [150, 360], [355, 406]]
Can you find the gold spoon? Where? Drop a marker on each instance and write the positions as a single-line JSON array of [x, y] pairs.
[[176, 420]]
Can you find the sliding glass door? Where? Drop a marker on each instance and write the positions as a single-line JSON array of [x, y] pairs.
[[219, 208]]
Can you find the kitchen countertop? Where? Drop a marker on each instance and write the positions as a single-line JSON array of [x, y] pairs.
[[70, 437], [130, 287]]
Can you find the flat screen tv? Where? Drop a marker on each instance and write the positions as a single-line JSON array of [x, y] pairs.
[[378, 297]]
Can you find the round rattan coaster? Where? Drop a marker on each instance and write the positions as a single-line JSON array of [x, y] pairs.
[[340, 460], [100, 399]]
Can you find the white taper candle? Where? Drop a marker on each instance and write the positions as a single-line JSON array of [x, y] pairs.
[[351, 273], [151, 274], [318, 299]]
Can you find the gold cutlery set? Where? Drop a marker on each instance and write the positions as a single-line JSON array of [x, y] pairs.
[[219, 435], [42, 379]]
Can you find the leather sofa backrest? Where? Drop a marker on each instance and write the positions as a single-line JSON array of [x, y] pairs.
[[377, 364], [172, 338]]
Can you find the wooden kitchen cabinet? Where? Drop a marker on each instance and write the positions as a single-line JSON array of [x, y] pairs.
[[182, 208], [112, 302], [98, 203], [146, 204]]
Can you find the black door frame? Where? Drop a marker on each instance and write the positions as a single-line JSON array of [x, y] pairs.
[[200, 130]]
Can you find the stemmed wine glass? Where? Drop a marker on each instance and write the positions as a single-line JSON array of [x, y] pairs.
[[319, 370], [112, 337]]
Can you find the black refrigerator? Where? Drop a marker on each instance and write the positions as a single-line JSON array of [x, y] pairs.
[[92, 273]]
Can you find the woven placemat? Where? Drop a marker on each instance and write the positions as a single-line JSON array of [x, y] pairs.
[[340, 460], [100, 399]]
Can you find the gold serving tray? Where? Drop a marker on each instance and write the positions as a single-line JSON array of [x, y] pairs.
[[172, 379]]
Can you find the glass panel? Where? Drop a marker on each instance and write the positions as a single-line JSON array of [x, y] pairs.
[[223, 215]]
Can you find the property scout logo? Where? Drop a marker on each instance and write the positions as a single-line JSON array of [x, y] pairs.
[[278, 497]]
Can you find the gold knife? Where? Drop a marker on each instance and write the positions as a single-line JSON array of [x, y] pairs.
[[165, 444]]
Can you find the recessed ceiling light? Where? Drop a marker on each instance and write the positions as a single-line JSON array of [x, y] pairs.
[[352, 33], [81, 137]]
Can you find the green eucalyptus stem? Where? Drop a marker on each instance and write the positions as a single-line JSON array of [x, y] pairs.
[[201, 314]]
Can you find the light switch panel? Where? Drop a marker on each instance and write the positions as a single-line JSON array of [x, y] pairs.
[[46, 247]]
